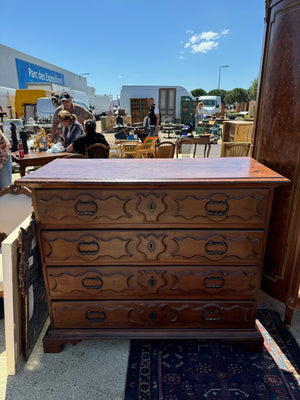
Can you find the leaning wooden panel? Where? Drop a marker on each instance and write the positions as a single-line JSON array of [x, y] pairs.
[[12, 300]]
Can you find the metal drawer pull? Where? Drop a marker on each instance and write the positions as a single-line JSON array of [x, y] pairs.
[[85, 284], [83, 204], [216, 252], [214, 278], [153, 315], [95, 316], [151, 245], [215, 315], [211, 211], [151, 206], [82, 245], [152, 281]]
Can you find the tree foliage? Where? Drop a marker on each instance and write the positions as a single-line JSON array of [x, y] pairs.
[[217, 92], [236, 95], [252, 91], [198, 92]]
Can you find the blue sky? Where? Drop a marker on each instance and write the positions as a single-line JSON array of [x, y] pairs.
[[140, 42]]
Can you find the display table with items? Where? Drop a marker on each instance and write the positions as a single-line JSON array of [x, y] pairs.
[[152, 248]]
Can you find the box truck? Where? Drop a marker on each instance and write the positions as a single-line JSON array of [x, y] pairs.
[[175, 102], [26, 99], [101, 104]]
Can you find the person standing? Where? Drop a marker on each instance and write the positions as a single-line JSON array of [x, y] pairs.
[[201, 112], [14, 138], [153, 121], [5, 162], [67, 104]]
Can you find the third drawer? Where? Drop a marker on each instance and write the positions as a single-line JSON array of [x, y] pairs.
[[183, 282]]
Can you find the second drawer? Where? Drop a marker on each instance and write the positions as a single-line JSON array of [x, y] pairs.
[[138, 247]]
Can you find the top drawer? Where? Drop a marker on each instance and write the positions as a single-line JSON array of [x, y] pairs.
[[95, 208]]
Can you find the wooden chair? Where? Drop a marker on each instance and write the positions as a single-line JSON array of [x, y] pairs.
[[97, 150], [235, 149], [204, 141], [186, 148], [165, 150], [129, 149], [147, 149]]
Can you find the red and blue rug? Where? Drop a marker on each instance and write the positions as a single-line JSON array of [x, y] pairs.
[[216, 370]]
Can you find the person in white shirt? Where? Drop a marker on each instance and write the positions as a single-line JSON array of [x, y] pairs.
[[201, 112]]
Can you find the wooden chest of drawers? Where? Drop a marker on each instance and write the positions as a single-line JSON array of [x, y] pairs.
[[152, 248]]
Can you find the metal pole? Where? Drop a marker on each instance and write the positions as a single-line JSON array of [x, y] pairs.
[[221, 66]]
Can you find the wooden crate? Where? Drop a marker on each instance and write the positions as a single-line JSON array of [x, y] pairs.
[[108, 123], [237, 131]]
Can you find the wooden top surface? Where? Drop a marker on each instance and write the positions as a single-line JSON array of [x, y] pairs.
[[36, 155], [65, 172]]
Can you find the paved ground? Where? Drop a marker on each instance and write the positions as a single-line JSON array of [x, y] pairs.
[[91, 370]]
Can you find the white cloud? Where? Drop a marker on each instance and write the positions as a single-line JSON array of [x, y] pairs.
[[225, 32], [209, 35], [204, 47], [194, 38], [189, 32], [203, 42]]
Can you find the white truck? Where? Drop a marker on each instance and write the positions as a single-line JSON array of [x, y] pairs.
[[133, 99], [101, 104], [211, 103]]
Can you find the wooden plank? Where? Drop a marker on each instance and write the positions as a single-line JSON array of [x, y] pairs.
[[12, 300]]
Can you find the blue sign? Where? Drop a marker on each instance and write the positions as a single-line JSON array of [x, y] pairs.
[[28, 72]]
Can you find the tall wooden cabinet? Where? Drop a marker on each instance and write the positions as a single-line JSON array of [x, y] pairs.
[[277, 145]]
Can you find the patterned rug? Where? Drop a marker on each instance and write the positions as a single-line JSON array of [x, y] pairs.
[[216, 370]]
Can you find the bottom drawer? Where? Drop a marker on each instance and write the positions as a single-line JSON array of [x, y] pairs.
[[153, 314]]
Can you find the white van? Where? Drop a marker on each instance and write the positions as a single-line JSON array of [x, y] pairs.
[[45, 108], [133, 99], [212, 103]]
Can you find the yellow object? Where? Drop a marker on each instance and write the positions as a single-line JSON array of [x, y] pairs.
[[28, 97], [38, 143]]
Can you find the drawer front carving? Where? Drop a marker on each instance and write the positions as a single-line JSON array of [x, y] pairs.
[[153, 282], [153, 314], [191, 247], [176, 208]]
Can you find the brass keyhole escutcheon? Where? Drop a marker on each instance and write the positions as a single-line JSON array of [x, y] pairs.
[[152, 281], [151, 206], [151, 245]]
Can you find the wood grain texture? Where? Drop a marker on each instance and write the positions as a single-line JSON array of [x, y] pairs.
[[159, 248], [277, 145]]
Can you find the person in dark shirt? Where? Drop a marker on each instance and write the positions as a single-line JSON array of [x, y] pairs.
[[80, 144]]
